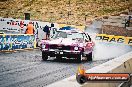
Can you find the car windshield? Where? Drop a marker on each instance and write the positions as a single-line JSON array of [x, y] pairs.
[[72, 35]]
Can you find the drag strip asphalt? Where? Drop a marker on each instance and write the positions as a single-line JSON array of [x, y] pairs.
[[27, 69]]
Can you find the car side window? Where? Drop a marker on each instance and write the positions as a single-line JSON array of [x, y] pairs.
[[62, 34]]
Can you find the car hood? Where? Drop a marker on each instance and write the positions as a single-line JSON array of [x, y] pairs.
[[64, 41]]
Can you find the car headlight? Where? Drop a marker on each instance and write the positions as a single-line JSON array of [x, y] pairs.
[[75, 48], [43, 46]]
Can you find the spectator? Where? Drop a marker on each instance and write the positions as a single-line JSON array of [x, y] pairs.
[[30, 29], [53, 29], [47, 31]]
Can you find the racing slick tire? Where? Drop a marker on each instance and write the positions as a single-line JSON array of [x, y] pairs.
[[44, 56], [89, 57]]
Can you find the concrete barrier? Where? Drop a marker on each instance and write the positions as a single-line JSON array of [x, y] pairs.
[[126, 84], [114, 24], [129, 28], [122, 64], [115, 17], [113, 20]]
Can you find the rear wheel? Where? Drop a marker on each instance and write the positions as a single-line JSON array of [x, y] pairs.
[[89, 57], [44, 56]]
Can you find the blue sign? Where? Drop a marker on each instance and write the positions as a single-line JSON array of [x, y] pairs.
[[13, 42]]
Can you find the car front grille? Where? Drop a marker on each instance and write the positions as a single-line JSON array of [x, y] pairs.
[[53, 46], [60, 47]]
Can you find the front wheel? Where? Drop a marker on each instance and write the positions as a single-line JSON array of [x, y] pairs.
[[44, 56]]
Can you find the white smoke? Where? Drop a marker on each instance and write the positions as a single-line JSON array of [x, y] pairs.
[[104, 50]]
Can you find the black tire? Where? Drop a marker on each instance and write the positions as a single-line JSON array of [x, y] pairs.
[[89, 57], [59, 58], [79, 58], [44, 56]]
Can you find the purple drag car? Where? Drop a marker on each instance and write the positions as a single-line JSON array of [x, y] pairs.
[[70, 45]]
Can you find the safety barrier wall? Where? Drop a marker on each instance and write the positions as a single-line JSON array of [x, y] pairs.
[[129, 28], [18, 26], [126, 84], [122, 64], [14, 25], [114, 39], [9, 42], [116, 20]]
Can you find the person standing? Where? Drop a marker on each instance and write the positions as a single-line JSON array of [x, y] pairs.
[[30, 29], [52, 30], [47, 31]]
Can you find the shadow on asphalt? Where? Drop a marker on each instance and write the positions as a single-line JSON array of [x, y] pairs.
[[66, 61]]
